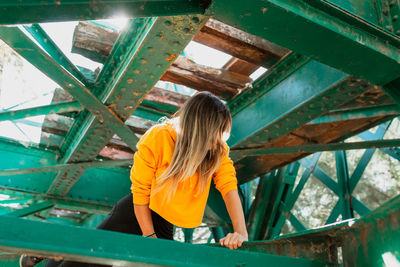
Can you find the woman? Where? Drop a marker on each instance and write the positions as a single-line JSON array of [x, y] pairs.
[[172, 173]]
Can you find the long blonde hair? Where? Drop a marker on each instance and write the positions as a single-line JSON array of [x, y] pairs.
[[202, 121]]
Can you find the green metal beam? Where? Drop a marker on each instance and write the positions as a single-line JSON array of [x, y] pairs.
[[289, 202], [23, 45], [62, 203], [311, 90], [50, 47], [275, 75], [35, 11], [359, 113], [320, 30], [311, 148], [343, 183], [374, 239], [73, 106], [33, 208], [42, 110], [68, 167], [34, 150], [112, 248]]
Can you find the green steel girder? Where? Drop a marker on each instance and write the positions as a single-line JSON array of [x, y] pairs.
[[37, 151], [33, 208], [307, 148], [296, 100], [316, 244], [374, 239], [289, 202], [359, 113], [343, 183], [273, 190], [35, 11], [62, 203], [111, 248], [42, 110], [50, 47], [23, 45], [320, 30], [67, 167], [276, 74], [75, 106]]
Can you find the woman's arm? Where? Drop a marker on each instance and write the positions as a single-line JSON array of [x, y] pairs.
[[143, 216], [235, 210]]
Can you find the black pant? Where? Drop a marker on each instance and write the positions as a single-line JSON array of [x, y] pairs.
[[122, 219]]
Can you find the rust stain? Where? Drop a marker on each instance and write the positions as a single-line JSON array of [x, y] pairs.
[[171, 57]]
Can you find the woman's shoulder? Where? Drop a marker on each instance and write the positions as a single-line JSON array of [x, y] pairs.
[[158, 133]]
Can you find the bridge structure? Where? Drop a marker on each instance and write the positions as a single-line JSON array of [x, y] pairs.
[[331, 82]]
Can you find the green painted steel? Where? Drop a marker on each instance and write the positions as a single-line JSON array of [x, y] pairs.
[[276, 74], [74, 106], [52, 49], [320, 30], [35, 11], [62, 203], [342, 170], [365, 9], [393, 91], [289, 202], [366, 157], [16, 39], [119, 249], [101, 185], [33, 208], [374, 239], [34, 150], [42, 110], [287, 103], [320, 147], [165, 108], [70, 167], [366, 112], [139, 58]]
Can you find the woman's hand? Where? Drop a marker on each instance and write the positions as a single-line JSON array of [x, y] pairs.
[[233, 240]]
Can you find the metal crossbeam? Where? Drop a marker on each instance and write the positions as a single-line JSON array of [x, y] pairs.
[[311, 148], [42, 110], [74, 106], [50, 47], [359, 113], [62, 203], [293, 102], [68, 167], [299, 24], [33, 208], [21, 43], [35, 11], [112, 248]]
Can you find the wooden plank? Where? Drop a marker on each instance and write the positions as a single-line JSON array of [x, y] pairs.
[[240, 66], [93, 41], [240, 44], [221, 82]]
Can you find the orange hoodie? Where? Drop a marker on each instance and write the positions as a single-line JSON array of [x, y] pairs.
[[186, 208]]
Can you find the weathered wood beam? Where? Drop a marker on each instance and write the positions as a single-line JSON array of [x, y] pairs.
[[239, 44], [221, 82], [93, 41], [240, 66]]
